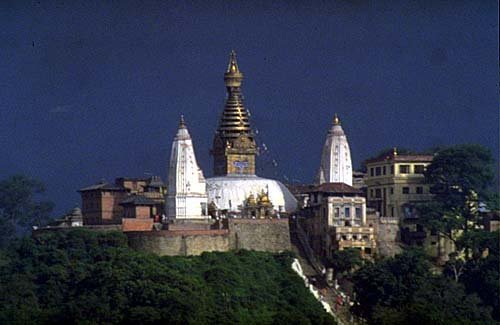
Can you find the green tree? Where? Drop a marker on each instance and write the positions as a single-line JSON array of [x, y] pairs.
[[344, 261], [390, 282], [403, 290], [460, 177], [436, 301], [80, 276], [481, 274], [457, 171], [21, 206]]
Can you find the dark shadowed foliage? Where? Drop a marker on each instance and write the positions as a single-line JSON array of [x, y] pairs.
[[85, 277]]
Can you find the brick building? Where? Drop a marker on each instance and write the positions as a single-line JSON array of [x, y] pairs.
[[106, 203]]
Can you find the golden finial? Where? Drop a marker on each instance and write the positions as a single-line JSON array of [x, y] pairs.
[[233, 76], [182, 123], [395, 151], [251, 200], [336, 120], [233, 65]]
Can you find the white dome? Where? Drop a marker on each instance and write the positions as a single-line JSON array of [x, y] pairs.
[[229, 192]]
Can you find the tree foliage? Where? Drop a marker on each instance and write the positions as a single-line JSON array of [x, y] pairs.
[[20, 206], [403, 290], [346, 260], [460, 178], [80, 276], [459, 170]]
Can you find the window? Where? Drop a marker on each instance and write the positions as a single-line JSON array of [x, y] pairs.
[[392, 190], [337, 212], [378, 193], [372, 172], [359, 213], [420, 190], [347, 212], [377, 171], [392, 212], [371, 192], [354, 237], [392, 170], [406, 190], [404, 169], [203, 209], [384, 170], [419, 169]]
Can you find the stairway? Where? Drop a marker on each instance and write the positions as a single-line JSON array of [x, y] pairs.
[[300, 245]]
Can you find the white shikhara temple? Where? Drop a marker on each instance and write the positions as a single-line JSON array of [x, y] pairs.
[[336, 166], [187, 196]]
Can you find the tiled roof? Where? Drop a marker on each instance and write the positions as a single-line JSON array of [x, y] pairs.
[[300, 188], [340, 188], [402, 158], [103, 187], [156, 181], [137, 200], [325, 187]]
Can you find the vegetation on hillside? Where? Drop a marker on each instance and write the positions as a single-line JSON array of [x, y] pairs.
[[21, 206], [404, 290], [80, 276]]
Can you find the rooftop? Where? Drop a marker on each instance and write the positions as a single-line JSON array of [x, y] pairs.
[[393, 155], [102, 186], [137, 200]]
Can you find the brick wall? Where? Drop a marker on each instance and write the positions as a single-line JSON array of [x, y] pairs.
[[133, 224]]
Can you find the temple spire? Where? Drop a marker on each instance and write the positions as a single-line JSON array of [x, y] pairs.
[[186, 196], [233, 77], [182, 123], [336, 164], [336, 120], [233, 65], [234, 147]]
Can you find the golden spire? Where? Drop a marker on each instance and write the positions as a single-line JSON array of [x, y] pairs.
[[233, 65], [395, 151], [336, 120], [235, 119], [233, 77]]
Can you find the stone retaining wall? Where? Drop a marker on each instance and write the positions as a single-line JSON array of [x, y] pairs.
[[270, 235]]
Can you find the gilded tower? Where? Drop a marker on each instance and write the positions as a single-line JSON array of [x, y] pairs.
[[234, 147]]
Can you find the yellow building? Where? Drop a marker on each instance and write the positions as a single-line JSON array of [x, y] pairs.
[[396, 182]]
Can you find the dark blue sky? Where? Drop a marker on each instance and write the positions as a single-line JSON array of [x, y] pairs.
[[91, 91]]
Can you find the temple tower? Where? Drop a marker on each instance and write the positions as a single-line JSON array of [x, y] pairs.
[[234, 147], [336, 166], [186, 196]]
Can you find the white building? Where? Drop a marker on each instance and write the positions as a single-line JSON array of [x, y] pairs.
[[186, 197], [336, 165], [230, 192]]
